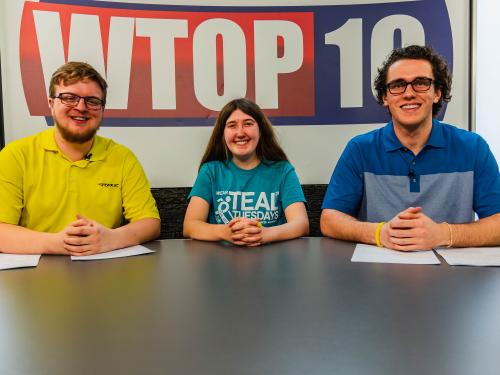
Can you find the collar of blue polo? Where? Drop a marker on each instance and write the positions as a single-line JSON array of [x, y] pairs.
[[392, 143]]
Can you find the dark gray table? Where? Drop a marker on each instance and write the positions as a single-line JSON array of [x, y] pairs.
[[297, 307]]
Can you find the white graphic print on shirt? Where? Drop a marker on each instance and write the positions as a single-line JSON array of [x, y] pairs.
[[248, 204]]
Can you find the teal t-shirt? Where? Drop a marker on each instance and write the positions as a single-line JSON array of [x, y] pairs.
[[260, 193]]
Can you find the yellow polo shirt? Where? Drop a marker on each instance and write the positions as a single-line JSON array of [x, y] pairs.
[[43, 190]]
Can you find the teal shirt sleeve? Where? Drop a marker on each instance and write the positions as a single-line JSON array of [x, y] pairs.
[[203, 185], [291, 190]]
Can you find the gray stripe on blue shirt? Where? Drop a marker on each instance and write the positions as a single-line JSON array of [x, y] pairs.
[[443, 196]]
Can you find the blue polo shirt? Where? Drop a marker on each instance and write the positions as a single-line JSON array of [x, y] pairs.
[[453, 176]]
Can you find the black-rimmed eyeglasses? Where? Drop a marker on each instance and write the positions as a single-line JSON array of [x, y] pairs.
[[419, 84], [72, 100]]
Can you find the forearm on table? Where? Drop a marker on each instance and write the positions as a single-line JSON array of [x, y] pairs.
[[341, 226], [287, 231], [136, 232], [484, 232], [15, 239], [201, 230]]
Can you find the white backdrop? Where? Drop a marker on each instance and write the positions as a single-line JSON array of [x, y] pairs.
[[487, 75], [171, 155]]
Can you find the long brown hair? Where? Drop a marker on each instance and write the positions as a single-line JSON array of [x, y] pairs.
[[267, 149]]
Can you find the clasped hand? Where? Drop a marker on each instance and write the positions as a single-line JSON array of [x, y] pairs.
[[86, 237], [246, 232], [412, 230]]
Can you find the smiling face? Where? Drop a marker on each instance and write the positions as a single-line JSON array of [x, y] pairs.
[[77, 124], [411, 110], [242, 135]]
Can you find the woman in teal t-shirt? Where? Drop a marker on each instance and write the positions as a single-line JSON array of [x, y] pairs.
[[246, 191]]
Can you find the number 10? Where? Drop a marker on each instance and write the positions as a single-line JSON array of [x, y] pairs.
[[349, 39]]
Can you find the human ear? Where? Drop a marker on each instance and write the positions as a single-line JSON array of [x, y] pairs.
[[437, 95]]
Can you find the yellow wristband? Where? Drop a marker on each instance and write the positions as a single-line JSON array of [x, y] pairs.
[[377, 233]]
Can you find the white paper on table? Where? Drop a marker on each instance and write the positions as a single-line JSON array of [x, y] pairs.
[[120, 253], [374, 254], [472, 256], [18, 260]]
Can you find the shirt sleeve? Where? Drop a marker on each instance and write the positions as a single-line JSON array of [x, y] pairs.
[[291, 190], [345, 190], [11, 185], [486, 182], [138, 202], [202, 187]]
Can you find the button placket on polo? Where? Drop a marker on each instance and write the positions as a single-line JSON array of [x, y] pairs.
[[414, 177], [72, 178]]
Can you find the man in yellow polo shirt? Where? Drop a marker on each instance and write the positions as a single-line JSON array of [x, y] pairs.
[[67, 190]]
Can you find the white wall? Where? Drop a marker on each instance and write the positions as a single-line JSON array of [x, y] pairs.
[[14, 107], [487, 73], [2, 44], [458, 109]]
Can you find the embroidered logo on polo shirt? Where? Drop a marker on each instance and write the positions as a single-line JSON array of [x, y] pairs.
[[108, 185]]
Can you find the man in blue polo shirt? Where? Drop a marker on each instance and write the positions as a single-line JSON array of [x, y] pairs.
[[416, 183]]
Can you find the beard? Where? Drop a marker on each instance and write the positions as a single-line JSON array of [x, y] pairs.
[[79, 138]]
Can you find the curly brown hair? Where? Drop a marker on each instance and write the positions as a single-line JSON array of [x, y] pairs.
[[442, 75]]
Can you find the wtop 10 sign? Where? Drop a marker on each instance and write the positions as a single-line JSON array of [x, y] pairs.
[[178, 65]]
